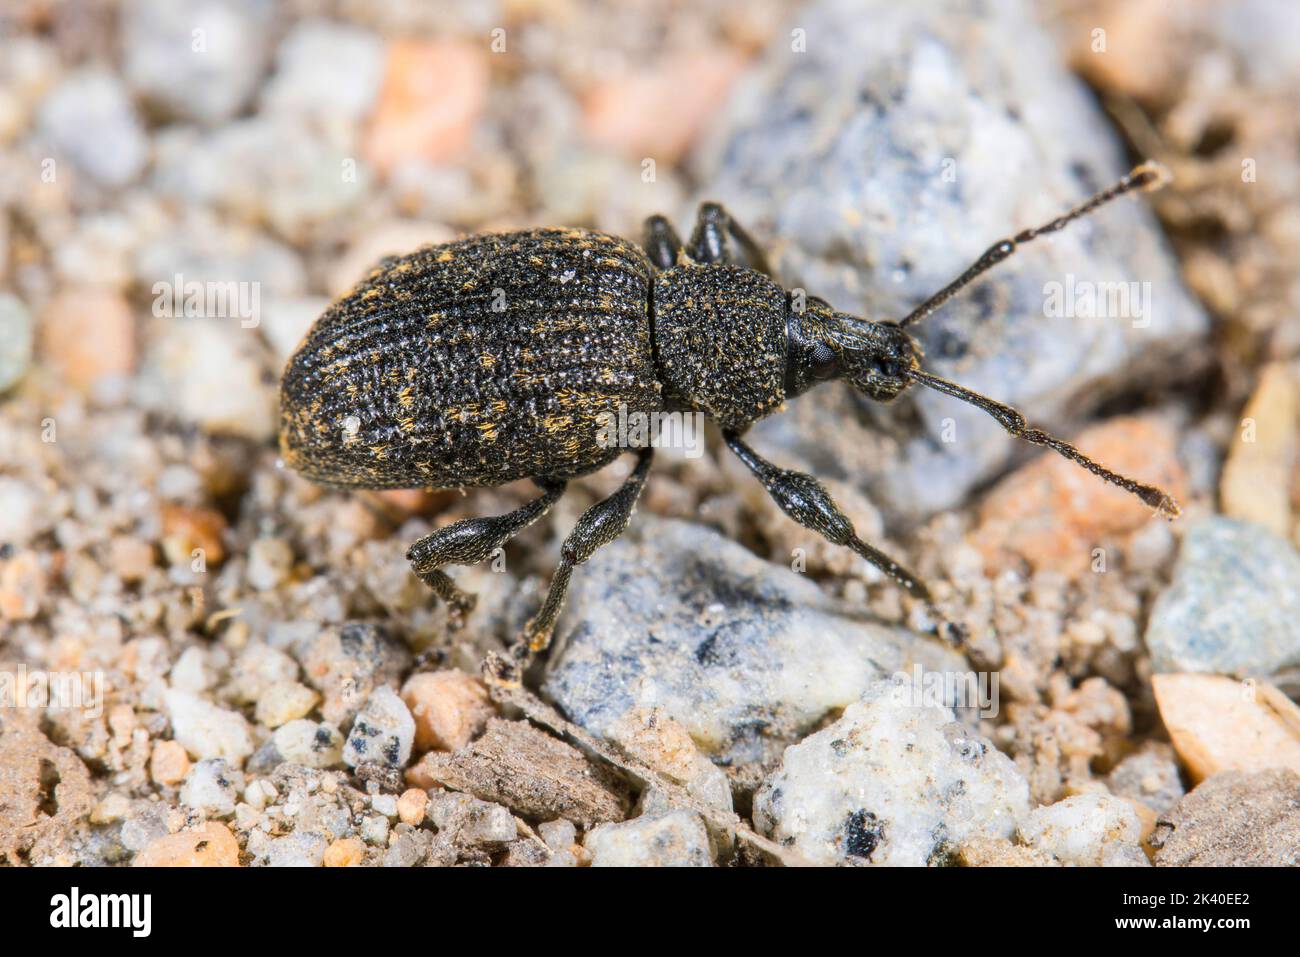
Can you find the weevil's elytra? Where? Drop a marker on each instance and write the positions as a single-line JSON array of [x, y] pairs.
[[499, 357]]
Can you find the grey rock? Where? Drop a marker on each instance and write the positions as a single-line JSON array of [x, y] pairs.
[[303, 742], [89, 119], [1233, 607], [17, 334], [1234, 819], [196, 59], [212, 787], [470, 821], [746, 655], [346, 663], [383, 732], [675, 839], [893, 782], [839, 155]]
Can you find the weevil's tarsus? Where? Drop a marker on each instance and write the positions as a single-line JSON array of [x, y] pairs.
[[1015, 423], [1143, 178]]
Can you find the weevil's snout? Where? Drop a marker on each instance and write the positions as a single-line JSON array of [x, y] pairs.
[[876, 358]]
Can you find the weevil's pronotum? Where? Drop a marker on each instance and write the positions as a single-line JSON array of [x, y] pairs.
[[501, 357]]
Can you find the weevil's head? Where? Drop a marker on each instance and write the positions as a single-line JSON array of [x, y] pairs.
[[873, 357]]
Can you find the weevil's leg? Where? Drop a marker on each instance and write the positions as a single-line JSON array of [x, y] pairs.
[[709, 242], [804, 499], [1148, 176], [473, 540], [598, 525], [662, 244]]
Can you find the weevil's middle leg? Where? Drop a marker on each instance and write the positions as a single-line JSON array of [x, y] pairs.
[[598, 525], [806, 501], [471, 541]]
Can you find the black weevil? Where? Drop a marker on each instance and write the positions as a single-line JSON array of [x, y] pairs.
[[501, 357]]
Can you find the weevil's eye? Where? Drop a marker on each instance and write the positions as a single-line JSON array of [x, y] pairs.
[[890, 368], [824, 363]]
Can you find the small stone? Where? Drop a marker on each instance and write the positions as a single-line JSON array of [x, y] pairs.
[[528, 771], [211, 845], [383, 732], [23, 585], [88, 336], [297, 850], [269, 562], [259, 668], [284, 702], [430, 101], [1087, 830], [310, 744], [169, 763], [470, 821], [114, 807], [208, 373], [207, 731], [212, 787], [187, 529], [999, 852], [132, 558], [1233, 607], [192, 671], [385, 804], [666, 746], [259, 794], [1218, 724], [450, 708], [1054, 514], [326, 69], [893, 782], [559, 836], [195, 59], [345, 852], [1234, 819], [1256, 482], [675, 839], [346, 663], [659, 111], [411, 805], [17, 334], [1149, 775], [89, 119]]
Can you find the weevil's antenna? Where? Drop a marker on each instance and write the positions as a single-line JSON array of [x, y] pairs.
[[1015, 423], [1145, 178]]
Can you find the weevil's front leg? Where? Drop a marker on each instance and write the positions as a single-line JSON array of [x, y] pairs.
[[804, 499], [662, 244], [709, 243], [598, 525], [471, 541]]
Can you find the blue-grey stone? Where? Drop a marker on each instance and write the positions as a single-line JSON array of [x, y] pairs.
[[1233, 607]]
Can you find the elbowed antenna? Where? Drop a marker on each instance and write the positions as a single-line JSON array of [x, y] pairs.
[[1144, 178], [1015, 423]]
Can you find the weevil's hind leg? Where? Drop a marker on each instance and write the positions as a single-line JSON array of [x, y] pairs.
[[470, 541], [662, 244], [806, 501], [598, 525], [718, 238]]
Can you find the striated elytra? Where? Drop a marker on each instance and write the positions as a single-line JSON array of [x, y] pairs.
[[504, 356]]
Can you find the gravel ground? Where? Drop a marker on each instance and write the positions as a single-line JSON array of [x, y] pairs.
[[186, 184]]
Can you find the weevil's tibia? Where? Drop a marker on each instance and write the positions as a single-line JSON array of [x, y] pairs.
[[1144, 178], [1015, 423]]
